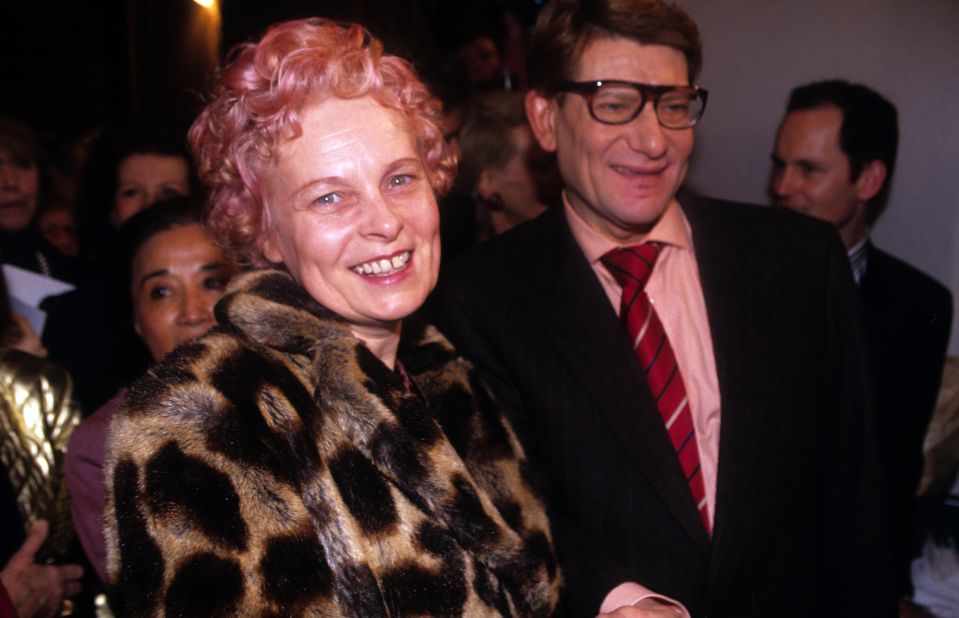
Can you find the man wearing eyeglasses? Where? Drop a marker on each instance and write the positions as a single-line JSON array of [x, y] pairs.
[[686, 374]]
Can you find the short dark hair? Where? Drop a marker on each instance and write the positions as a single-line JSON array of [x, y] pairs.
[[870, 123], [158, 217], [565, 27]]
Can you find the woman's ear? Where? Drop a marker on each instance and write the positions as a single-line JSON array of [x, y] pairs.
[[266, 244], [541, 112], [270, 251]]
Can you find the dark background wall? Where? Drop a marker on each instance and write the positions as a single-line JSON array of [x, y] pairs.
[[79, 64], [63, 62]]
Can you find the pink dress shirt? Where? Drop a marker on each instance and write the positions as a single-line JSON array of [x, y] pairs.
[[675, 291]]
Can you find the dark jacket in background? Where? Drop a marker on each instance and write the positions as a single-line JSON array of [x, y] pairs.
[[908, 318]]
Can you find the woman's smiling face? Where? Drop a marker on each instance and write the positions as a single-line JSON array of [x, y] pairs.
[[351, 213]]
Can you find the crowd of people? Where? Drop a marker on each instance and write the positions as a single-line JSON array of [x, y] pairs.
[[356, 343]]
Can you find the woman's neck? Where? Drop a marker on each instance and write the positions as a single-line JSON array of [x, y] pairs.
[[382, 341]]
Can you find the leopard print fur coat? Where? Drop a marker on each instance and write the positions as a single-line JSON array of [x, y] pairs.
[[275, 467]]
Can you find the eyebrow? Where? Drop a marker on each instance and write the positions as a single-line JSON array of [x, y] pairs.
[[209, 267], [395, 165], [334, 180], [802, 162]]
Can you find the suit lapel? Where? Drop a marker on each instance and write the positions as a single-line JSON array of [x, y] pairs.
[[589, 338]]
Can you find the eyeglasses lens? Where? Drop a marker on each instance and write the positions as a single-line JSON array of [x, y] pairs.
[[618, 104]]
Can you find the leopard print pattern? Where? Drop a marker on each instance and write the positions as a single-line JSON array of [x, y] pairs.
[[275, 467]]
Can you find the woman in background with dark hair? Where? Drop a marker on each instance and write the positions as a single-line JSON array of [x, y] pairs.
[[126, 172]]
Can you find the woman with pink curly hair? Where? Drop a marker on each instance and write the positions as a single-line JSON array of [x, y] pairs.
[[317, 453]]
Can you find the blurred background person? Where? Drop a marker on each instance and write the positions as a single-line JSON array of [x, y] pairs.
[[487, 46], [482, 60], [507, 172], [175, 276], [146, 177], [57, 224], [127, 171], [300, 458], [19, 154], [21, 184], [504, 177], [833, 159]]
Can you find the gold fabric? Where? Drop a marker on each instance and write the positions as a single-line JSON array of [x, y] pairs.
[[37, 415]]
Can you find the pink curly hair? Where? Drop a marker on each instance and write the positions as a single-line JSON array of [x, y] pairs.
[[256, 104]]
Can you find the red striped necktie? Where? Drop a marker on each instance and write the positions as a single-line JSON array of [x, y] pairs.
[[631, 267]]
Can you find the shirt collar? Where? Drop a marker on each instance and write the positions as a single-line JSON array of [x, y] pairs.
[[859, 258], [672, 229]]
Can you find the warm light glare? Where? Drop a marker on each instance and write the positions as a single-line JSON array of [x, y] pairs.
[[207, 4]]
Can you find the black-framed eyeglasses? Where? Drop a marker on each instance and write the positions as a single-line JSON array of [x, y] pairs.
[[613, 101]]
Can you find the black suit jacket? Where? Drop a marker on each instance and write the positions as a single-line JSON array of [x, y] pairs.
[[907, 317], [799, 526]]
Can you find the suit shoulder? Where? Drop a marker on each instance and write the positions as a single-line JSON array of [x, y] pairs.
[[741, 213], [765, 228], [888, 271], [518, 240], [508, 254]]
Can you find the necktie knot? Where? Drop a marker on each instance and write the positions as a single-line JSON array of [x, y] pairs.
[[632, 266]]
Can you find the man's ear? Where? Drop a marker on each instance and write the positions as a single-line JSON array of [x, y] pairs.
[[871, 180], [541, 112]]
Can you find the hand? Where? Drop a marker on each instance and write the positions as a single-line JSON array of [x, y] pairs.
[[648, 608], [21, 336], [908, 610], [38, 590]]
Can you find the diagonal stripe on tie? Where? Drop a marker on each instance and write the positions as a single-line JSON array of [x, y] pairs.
[[632, 266]]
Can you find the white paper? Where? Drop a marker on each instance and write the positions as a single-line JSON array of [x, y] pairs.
[[30, 287]]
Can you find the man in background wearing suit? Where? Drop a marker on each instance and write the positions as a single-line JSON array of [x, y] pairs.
[[833, 159], [687, 374]]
